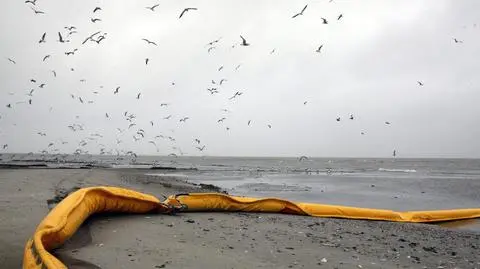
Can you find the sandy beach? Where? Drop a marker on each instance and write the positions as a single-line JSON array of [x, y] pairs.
[[215, 240]]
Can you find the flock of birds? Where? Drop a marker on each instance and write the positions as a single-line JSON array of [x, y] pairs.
[[66, 36]]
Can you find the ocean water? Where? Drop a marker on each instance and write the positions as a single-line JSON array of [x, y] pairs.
[[396, 184]]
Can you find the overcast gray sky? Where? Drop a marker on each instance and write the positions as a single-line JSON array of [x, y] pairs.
[[369, 66]]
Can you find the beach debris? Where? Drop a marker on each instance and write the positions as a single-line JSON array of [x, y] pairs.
[[323, 260], [190, 221]]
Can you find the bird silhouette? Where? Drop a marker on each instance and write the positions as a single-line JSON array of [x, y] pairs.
[[46, 57], [54, 73], [212, 90], [106, 115], [338, 119], [185, 10], [221, 81], [163, 104], [351, 117], [116, 90], [152, 8], [249, 121], [300, 13], [324, 21], [149, 42], [387, 123], [33, 2], [184, 119], [210, 49], [71, 52], [197, 140], [201, 148], [146, 61], [167, 117], [304, 103], [339, 17], [235, 95], [457, 40], [97, 9], [42, 40], [244, 42], [269, 126], [42, 85], [90, 37], [60, 38], [11, 60], [221, 120], [94, 20], [37, 11], [138, 95], [420, 83], [319, 48]]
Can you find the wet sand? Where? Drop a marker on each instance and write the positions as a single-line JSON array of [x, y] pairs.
[[215, 240]]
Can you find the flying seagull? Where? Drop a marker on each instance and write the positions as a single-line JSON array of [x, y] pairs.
[[339, 17], [149, 42], [235, 95], [319, 48], [97, 9], [324, 21], [249, 121], [197, 140], [221, 81], [338, 119], [37, 11], [184, 119], [116, 90], [11, 60], [387, 123], [46, 57], [146, 61], [244, 42], [420, 83], [60, 38], [152, 8], [138, 95], [185, 10], [300, 13], [221, 120], [71, 52], [42, 40], [90, 37], [269, 126], [457, 41], [33, 2], [351, 117], [54, 73], [201, 148], [94, 20]]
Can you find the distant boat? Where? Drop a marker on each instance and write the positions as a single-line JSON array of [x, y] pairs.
[[394, 153]]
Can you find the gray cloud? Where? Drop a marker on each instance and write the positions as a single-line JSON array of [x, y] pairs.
[[369, 66]]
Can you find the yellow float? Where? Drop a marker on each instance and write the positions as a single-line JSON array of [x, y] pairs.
[[62, 222]]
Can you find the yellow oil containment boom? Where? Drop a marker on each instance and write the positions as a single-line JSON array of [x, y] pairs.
[[62, 222]]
